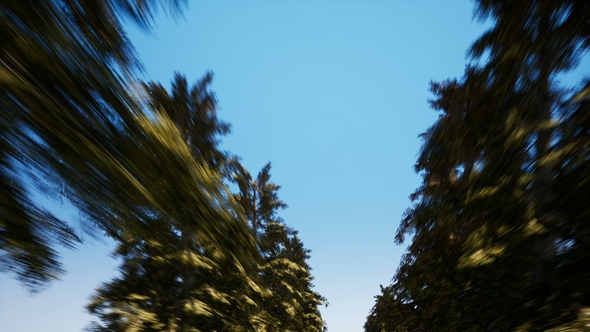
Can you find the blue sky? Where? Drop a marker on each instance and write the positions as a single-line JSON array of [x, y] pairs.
[[334, 94]]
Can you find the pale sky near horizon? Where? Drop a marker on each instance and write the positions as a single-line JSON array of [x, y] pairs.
[[334, 94]]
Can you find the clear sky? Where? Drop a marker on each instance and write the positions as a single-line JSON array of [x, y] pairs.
[[334, 94]]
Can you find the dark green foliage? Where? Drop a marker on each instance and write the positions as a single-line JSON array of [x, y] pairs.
[[498, 226], [290, 304], [143, 166], [63, 104], [176, 287], [178, 274], [194, 113], [390, 312]]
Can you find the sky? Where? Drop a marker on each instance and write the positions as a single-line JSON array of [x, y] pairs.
[[334, 94]]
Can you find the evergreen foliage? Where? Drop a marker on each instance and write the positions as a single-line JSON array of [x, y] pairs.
[[290, 303], [178, 275], [497, 238], [142, 165], [64, 102]]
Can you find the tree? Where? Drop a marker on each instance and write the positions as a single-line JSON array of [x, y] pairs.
[[571, 155], [194, 113], [290, 303], [177, 275], [390, 312], [63, 102], [489, 243], [459, 210]]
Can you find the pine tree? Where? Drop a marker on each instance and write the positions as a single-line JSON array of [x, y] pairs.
[[63, 101], [491, 232], [290, 304], [193, 110], [177, 274], [391, 313], [572, 155]]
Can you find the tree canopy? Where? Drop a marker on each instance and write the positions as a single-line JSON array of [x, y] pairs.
[[494, 245], [143, 167], [64, 69]]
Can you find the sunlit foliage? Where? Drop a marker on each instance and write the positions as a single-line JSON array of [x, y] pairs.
[[142, 166], [64, 102], [289, 303]]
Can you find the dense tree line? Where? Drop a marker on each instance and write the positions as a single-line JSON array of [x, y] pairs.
[[143, 166], [499, 227]]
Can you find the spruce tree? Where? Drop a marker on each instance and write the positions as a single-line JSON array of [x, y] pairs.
[[64, 99], [493, 240], [176, 274], [290, 303]]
